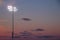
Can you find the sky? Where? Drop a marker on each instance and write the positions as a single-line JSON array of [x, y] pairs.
[[44, 14]]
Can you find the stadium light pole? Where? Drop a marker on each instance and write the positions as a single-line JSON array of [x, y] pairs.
[[12, 9]]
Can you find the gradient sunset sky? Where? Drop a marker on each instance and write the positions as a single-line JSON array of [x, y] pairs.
[[44, 14]]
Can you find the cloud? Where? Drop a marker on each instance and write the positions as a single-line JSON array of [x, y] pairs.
[[46, 36], [38, 29], [24, 34], [26, 19]]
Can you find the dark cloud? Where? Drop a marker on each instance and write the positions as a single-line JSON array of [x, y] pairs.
[[26, 19], [45, 36], [38, 29]]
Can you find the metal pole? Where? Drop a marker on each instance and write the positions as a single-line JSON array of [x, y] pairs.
[[12, 25]]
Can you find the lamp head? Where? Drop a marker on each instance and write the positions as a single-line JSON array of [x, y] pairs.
[[12, 8]]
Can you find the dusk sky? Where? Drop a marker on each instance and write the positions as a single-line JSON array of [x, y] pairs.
[[44, 14]]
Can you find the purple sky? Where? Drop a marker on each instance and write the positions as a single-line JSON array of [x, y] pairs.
[[45, 14]]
